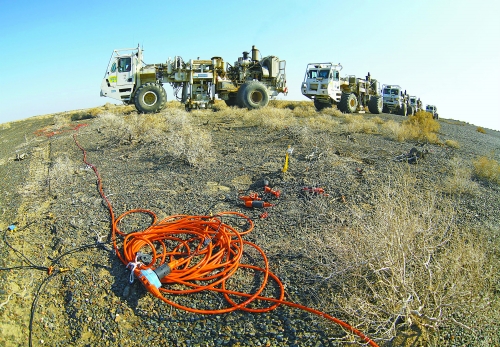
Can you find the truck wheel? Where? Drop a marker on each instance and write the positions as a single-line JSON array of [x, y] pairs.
[[375, 104], [150, 98], [321, 105], [231, 101], [404, 110], [252, 95], [348, 103], [411, 110]]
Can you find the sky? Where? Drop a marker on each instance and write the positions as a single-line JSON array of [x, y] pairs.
[[55, 53]]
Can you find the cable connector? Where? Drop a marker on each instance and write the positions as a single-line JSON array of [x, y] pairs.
[[253, 200], [269, 190], [150, 281]]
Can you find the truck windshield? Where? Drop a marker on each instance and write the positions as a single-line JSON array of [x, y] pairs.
[[324, 73], [312, 74], [388, 91]]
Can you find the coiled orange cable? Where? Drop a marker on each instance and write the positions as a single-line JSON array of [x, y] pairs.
[[202, 253]]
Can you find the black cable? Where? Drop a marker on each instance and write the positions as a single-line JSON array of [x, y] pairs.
[[46, 280]]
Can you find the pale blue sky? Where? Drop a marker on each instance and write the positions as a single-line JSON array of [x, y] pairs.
[[446, 52]]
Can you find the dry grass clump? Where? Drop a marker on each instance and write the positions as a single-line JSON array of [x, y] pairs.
[[360, 124], [333, 111], [481, 130], [452, 143], [393, 130], [378, 120], [305, 111], [459, 180], [270, 118], [321, 122], [61, 121], [406, 264], [172, 129], [421, 127], [187, 141], [290, 104], [487, 168], [94, 112]]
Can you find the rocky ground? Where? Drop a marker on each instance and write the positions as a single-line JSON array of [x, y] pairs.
[[51, 198]]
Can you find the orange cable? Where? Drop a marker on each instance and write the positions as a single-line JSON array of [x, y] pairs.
[[202, 253]]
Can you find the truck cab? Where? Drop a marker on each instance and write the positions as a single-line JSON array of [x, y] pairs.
[[432, 110], [395, 101], [322, 83], [120, 77], [416, 103]]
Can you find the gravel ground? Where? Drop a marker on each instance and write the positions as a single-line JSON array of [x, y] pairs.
[[57, 208]]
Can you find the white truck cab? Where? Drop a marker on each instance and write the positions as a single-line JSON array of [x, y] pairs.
[[322, 83], [119, 79], [432, 110]]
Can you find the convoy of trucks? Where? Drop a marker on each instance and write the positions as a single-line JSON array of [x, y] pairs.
[[249, 83]]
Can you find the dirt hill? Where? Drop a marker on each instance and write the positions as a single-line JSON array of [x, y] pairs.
[[387, 223]]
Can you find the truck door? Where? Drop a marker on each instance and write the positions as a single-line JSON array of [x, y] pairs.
[[124, 71], [108, 85]]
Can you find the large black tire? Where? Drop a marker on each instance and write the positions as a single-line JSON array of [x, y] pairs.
[[385, 109], [321, 105], [375, 104], [232, 101], [403, 110], [252, 95], [150, 98], [348, 103], [411, 110]]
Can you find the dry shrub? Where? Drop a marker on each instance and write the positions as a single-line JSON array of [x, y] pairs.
[[272, 118], [452, 143], [190, 143], [458, 180], [487, 168], [112, 123], [405, 264], [172, 129], [174, 104], [321, 122], [378, 120], [61, 121], [302, 111], [333, 111], [481, 130], [5, 126], [290, 104], [422, 127], [360, 124], [393, 130]]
